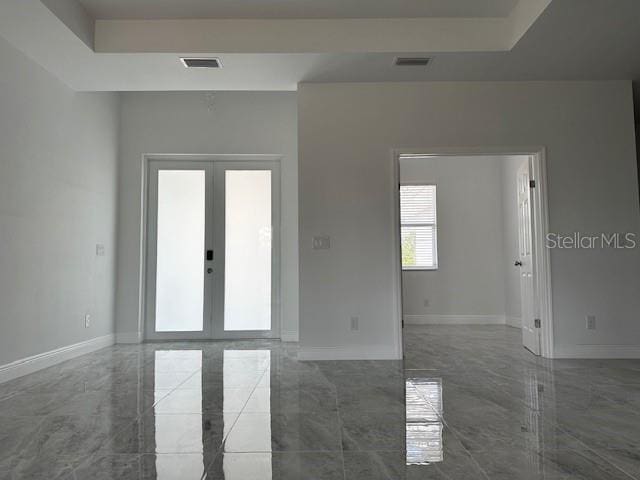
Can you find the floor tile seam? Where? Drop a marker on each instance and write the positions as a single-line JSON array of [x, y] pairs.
[[340, 435], [373, 450], [434, 407], [185, 380], [281, 452], [108, 440], [593, 451], [21, 450], [456, 435], [341, 439], [15, 394], [237, 416], [613, 464], [156, 402]]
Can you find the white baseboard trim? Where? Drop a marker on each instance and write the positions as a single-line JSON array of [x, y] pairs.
[[289, 336], [380, 352], [597, 351], [454, 320], [34, 363], [128, 337], [515, 322]]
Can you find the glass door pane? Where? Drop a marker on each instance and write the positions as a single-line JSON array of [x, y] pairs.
[[179, 296], [248, 250]]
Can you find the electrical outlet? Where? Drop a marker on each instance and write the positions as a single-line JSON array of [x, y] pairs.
[[87, 321], [355, 323], [591, 322], [99, 250]]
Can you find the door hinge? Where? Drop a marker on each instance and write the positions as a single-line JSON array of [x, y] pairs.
[[536, 323], [532, 183]]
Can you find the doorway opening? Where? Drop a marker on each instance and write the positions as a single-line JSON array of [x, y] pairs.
[[212, 248], [471, 239]]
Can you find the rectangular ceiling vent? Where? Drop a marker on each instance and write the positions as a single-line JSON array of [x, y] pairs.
[[412, 61], [201, 62]]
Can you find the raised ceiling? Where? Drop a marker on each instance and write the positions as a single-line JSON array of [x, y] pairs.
[[563, 40], [181, 9]]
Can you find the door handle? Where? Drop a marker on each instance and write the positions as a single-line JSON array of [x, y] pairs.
[[209, 270], [518, 263]]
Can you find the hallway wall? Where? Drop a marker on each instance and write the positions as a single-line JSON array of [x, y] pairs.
[[58, 181], [198, 122], [347, 133]]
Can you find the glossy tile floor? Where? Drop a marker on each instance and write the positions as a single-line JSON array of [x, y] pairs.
[[471, 403]]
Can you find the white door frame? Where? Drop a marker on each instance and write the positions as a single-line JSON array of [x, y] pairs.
[[191, 160], [540, 210]]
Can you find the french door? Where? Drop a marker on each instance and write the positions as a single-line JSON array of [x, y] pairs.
[[212, 250]]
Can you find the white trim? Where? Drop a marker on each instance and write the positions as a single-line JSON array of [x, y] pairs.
[[515, 322], [540, 205], [454, 320], [129, 337], [356, 352], [28, 365], [597, 351], [396, 257], [289, 336]]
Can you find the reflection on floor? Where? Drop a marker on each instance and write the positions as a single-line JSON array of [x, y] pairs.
[[471, 403], [424, 420]]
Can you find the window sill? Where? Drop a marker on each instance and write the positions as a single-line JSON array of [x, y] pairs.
[[419, 269]]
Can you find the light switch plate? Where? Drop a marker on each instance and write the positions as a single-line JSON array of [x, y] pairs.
[[355, 324], [322, 242]]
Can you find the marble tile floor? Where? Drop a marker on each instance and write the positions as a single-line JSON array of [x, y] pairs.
[[468, 403]]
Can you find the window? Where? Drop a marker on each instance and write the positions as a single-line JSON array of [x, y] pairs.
[[418, 227]]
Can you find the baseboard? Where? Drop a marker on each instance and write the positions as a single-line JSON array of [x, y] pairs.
[[128, 337], [380, 352], [515, 322], [289, 336], [34, 363], [454, 320], [597, 351]]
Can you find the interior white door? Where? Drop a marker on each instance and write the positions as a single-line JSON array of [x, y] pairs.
[[213, 250], [530, 333]]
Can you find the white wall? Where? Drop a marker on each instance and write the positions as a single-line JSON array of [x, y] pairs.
[[469, 280], [189, 122], [58, 180], [346, 134], [509, 176]]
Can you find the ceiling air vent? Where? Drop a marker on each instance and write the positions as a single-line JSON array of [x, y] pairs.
[[201, 62], [412, 61]]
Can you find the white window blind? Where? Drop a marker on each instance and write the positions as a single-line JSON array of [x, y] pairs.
[[418, 227]]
